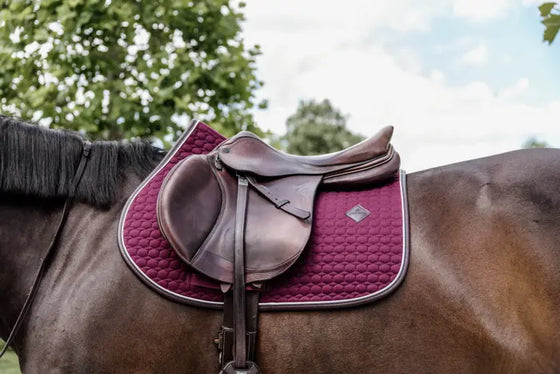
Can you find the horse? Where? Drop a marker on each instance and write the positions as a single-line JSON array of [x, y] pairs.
[[482, 293]]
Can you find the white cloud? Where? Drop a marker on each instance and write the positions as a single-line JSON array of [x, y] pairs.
[[437, 76], [368, 15], [481, 10], [351, 15], [476, 56], [515, 90], [532, 2]]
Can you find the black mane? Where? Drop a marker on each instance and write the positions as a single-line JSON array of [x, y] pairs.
[[41, 162]]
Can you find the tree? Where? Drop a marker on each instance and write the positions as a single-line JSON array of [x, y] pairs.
[[317, 128], [551, 20], [126, 68], [533, 142]]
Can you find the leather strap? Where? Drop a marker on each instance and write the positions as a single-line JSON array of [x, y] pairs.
[[279, 203], [239, 323], [235, 309], [226, 334], [50, 249]]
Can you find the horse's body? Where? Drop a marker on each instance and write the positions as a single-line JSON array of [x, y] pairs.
[[482, 292]]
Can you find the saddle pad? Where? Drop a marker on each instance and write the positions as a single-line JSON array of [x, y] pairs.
[[345, 263]]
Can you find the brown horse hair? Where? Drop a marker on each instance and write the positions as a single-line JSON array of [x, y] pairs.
[[40, 162]]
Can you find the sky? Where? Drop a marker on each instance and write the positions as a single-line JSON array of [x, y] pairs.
[[459, 79]]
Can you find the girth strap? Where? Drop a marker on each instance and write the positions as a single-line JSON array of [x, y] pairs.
[[48, 253]]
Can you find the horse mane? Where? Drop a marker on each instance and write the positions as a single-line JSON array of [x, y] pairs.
[[41, 162]]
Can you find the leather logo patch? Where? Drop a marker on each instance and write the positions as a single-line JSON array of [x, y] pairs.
[[358, 213]]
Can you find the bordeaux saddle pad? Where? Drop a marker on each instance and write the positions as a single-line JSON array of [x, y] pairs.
[[356, 250]]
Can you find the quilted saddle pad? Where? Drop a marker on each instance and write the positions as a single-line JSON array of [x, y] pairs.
[[358, 251]]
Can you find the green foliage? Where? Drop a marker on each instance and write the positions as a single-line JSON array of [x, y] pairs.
[[124, 68], [551, 20], [9, 363], [317, 128], [533, 142]]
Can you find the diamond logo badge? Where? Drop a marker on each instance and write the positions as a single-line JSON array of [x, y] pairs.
[[358, 213]]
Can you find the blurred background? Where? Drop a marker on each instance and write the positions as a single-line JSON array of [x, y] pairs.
[[458, 79]]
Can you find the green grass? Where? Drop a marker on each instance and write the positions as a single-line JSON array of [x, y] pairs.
[[9, 363]]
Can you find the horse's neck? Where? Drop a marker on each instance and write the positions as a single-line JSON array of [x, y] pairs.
[[26, 227]]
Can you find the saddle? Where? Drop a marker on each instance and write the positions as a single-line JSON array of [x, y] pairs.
[[243, 213]]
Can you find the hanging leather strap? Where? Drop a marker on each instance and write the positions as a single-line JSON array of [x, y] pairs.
[[239, 322], [50, 249], [241, 363]]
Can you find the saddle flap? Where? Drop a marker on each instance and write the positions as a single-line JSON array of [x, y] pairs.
[[188, 205], [196, 214]]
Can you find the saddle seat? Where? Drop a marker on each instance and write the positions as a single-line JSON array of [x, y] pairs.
[[197, 203], [247, 153]]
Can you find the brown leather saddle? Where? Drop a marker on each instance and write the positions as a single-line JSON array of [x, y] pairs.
[[242, 215]]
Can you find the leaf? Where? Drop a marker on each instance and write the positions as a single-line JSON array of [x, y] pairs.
[[550, 33], [552, 24], [64, 13], [553, 20], [546, 8], [74, 3], [24, 14]]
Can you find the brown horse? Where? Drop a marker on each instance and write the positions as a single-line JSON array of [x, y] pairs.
[[482, 294]]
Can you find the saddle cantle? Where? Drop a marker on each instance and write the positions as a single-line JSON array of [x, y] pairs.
[[197, 204]]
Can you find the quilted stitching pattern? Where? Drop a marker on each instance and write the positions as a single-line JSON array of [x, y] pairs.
[[344, 259]]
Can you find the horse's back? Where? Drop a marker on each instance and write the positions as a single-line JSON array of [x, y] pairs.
[[486, 248]]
